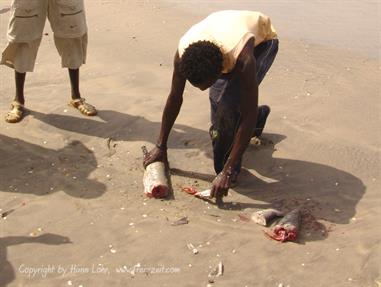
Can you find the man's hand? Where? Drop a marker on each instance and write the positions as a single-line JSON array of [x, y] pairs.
[[221, 185], [156, 154]]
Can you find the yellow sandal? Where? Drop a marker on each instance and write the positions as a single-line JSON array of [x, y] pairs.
[[16, 113], [83, 107]]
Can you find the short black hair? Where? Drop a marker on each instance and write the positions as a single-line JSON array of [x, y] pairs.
[[200, 61]]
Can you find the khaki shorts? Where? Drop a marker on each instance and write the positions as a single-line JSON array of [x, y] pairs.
[[26, 25]]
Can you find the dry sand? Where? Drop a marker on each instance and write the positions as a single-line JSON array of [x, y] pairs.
[[76, 207]]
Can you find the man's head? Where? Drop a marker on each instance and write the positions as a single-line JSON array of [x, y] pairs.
[[202, 63]]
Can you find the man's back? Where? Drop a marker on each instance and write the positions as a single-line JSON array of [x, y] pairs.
[[230, 30]]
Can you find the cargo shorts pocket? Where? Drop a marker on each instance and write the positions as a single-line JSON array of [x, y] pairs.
[[27, 21], [71, 20]]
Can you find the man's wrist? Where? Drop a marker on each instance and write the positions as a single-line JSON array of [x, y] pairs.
[[162, 147], [228, 170]]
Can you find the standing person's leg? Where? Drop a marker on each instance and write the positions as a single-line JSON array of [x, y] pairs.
[[24, 37], [68, 22], [74, 84], [19, 82]]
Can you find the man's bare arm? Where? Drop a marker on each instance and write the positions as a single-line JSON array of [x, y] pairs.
[[174, 102], [247, 74], [170, 113], [248, 103], [245, 70]]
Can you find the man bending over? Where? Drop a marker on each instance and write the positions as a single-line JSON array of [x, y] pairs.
[[229, 52]]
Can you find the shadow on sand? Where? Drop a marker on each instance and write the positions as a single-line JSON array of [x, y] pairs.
[[6, 270], [38, 170], [124, 127], [30, 168], [323, 192]]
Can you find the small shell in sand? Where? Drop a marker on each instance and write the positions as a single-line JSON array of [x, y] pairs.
[[181, 221], [192, 248], [216, 272]]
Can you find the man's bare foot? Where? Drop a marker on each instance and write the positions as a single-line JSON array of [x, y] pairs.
[[16, 113], [83, 107]]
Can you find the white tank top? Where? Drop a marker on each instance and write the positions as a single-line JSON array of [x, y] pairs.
[[230, 30]]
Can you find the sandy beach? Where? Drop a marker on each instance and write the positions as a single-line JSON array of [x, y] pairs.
[[71, 193]]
